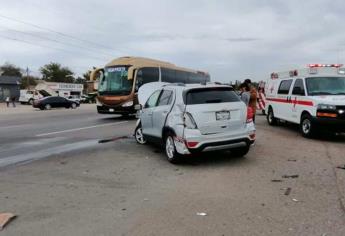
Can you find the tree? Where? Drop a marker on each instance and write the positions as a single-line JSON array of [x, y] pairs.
[[54, 72], [10, 70], [28, 81], [86, 75]]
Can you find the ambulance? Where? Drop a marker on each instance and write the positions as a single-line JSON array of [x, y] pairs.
[[313, 98]]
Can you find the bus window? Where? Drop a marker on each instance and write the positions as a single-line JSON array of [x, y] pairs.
[[146, 75], [181, 77], [168, 75]]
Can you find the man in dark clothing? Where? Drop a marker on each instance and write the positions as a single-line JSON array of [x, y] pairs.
[[13, 99]]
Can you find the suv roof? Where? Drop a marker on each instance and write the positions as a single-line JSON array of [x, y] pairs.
[[192, 86]]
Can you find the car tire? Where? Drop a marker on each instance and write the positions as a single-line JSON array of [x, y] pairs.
[[307, 127], [47, 107], [263, 112], [240, 152], [139, 136], [270, 117], [41, 108], [31, 102], [74, 106], [170, 150]]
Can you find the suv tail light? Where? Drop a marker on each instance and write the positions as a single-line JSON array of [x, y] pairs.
[[250, 114], [189, 121]]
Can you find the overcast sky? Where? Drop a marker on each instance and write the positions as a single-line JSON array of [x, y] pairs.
[[230, 39]]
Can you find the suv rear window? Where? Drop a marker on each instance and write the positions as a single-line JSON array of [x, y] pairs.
[[210, 95]]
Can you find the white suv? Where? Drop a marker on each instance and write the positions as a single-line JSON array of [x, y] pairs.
[[195, 118]]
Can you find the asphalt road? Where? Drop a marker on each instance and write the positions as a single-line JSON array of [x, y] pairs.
[[34, 134], [122, 188]]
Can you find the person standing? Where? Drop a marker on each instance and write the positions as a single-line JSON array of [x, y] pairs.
[[245, 94], [7, 101], [253, 96], [13, 99]]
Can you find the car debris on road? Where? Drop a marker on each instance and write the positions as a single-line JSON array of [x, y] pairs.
[[290, 176], [5, 218]]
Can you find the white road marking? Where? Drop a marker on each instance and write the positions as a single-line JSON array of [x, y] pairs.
[[82, 128]]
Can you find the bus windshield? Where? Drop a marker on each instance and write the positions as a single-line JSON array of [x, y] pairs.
[[115, 81], [326, 86]]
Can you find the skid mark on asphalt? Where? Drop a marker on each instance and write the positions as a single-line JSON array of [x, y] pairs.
[[28, 157], [113, 139]]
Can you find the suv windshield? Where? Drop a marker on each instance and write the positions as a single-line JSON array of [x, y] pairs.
[[115, 81], [325, 86], [210, 95]]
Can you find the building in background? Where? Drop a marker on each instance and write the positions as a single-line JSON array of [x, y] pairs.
[[60, 89], [9, 87]]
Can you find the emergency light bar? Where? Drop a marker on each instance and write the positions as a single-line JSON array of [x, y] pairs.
[[324, 65]]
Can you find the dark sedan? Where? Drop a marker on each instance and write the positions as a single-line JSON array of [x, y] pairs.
[[48, 103]]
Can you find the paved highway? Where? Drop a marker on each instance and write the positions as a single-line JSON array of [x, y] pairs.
[[33, 134], [286, 185]]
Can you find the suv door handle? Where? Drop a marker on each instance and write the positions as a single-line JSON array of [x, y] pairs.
[[165, 112]]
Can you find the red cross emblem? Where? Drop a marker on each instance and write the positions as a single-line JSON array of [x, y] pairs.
[[294, 102]]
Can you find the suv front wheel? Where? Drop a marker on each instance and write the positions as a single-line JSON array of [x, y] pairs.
[[170, 150], [139, 136]]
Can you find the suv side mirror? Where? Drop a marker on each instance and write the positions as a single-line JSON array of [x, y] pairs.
[[138, 107]]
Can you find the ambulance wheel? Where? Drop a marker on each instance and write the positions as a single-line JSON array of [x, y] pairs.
[[270, 117], [307, 127]]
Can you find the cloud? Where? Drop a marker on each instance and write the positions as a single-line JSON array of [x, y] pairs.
[[230, 39], [241, 39]]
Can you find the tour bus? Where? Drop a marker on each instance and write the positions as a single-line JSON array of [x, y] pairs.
[[313, 97], [121, 78]]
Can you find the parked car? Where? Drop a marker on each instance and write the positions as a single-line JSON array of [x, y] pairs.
[[89, 98], [48, 103], [195, 118]]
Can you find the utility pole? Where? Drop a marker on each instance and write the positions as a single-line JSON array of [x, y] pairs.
[[27, 77]]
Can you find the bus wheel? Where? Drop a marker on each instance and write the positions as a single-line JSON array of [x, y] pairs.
[[270, 117], [307, 127]]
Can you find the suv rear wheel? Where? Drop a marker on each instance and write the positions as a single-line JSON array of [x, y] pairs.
[[170, 150], [270, 117]]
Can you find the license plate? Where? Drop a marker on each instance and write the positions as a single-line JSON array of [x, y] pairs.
[[111, 110], [223, 115]]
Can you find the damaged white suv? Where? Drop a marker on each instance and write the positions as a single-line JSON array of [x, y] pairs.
[[195, 118]]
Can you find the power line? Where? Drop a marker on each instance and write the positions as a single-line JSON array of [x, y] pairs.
[[56, 32], [35, 44], [53, 40]]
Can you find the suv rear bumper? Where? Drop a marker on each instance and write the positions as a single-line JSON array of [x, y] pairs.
[[222, 145], [194, 141]]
